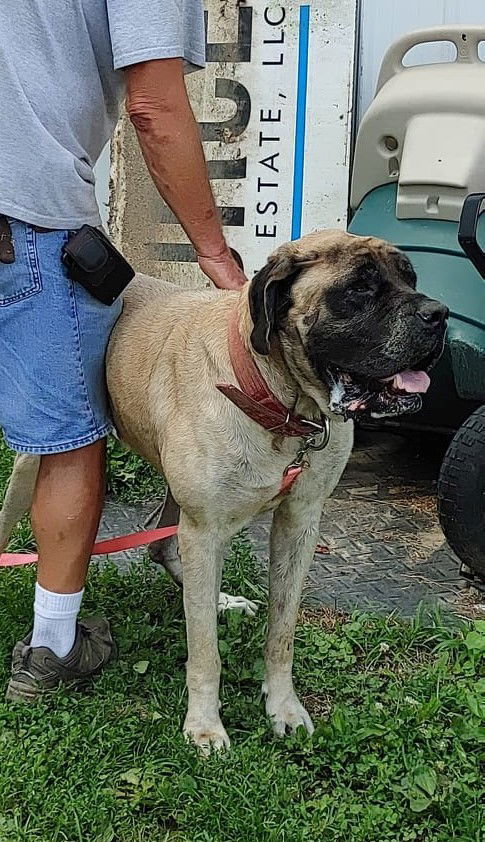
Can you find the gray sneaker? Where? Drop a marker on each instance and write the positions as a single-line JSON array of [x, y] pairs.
[[37, 670]]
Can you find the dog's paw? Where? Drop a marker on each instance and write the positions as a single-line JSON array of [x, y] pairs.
[[287, 713], [207, 736], [236, 603]]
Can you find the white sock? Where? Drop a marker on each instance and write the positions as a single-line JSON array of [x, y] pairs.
[[55, 616]]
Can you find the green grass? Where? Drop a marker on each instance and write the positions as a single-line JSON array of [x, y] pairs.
[[129, 478], [395, 757]]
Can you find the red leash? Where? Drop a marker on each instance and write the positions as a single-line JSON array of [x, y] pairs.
[[113, 545]]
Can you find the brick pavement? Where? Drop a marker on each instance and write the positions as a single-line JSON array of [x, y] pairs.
[[386, 547]]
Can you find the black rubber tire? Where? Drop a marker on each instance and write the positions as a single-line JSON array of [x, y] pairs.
[[461, 493]]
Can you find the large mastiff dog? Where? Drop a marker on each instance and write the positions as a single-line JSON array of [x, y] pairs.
[[244, 401]]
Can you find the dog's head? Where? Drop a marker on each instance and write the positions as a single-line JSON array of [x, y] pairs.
[[350, 307]]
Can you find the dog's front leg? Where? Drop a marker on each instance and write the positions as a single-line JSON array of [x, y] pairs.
[[292, 545], [202, 556], [166, 552]]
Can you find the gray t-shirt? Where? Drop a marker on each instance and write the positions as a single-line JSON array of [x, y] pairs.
[[61, 86]]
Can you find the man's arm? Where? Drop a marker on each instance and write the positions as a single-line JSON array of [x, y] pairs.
[[167, 131]]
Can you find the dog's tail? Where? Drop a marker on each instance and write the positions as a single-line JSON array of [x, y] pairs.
[[19, 494]]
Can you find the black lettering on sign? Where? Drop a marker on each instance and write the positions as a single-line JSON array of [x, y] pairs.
[[238, 51], [234, 127], [269, 206], [270, 162], [275, 21], [266, 232], [278, 62], [270, 21], [232, 216], [274, 50], [228, 215], [225, 131], [265, 184], [280, 40], [178, 253], [172, 252], [229, 130], [264, 139], [234, 168], [270, 118]]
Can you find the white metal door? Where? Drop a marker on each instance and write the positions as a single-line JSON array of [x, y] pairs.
[[382, 21]]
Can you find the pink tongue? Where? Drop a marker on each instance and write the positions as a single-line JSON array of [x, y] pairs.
[[411, 381]]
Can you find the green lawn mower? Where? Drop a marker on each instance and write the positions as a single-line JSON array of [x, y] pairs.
[[419, 181]]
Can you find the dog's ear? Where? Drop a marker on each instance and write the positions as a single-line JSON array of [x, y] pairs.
[[265, 295], [269, 293]]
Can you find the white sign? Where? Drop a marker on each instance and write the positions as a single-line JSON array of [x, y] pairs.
[[274, 106]]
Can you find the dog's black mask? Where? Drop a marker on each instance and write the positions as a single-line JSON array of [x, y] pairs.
[[352, 304]]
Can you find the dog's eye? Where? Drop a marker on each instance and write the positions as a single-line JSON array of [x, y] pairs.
[[366, 280], [363, 287]]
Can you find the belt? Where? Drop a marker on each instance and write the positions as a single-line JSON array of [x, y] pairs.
[[7, 249]]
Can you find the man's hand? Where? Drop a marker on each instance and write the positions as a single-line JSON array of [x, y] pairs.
[[223, 270], [169, 138]]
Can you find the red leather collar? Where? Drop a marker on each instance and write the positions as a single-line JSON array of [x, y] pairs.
[[254, 397]]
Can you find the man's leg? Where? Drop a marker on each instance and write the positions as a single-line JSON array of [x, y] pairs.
[[65, 516]]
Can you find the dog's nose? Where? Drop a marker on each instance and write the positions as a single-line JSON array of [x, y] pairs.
[[432, 313]]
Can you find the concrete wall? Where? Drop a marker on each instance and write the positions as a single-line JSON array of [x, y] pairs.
[[274, 106], [101, 172]]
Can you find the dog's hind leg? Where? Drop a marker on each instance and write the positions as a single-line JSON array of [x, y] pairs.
[[166, 553], [202, 557], [19, 494], [294, 535]]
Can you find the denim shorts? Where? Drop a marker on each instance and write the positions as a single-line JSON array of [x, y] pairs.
[[53, 340]]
